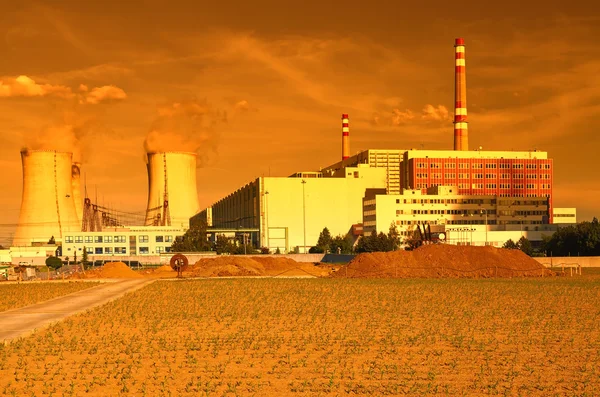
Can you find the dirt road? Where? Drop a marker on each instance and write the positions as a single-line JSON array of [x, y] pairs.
[[23, 321]]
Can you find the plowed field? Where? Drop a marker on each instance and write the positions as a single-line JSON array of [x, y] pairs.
[[275, 337]]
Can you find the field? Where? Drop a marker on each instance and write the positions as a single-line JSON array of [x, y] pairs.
[[13, 296], [322, 337]]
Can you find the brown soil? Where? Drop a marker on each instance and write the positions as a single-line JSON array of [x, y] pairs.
[[110, 270], [223, 266], [441, 260]]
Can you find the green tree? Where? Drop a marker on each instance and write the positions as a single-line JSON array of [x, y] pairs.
[[510, 244], [223, 245], [581, 239], [53, 262], [341, 244], [194, 240], [84, 257], [525, 245], [393, 238], [413, 240], [324, 241]]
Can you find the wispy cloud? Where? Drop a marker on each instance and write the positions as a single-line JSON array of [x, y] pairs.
[[23, 86], [107, 93]]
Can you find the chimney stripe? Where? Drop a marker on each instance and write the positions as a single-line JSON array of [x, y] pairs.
[[460, 97], [345, 137]]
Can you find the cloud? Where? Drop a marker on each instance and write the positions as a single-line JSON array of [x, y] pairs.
[[433, 113], [187, 125], [397, 117], [24, 86], [107, 93]]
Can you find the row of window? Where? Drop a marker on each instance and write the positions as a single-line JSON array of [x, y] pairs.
[[116, 239], [424, 175], [122, 250], [516, 166]]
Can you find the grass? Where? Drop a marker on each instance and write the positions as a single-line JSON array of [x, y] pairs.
[[13, 296], [230, 337]]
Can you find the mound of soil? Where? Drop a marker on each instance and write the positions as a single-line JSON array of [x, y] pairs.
[[111, 270], [443, 260], [225, 265], [231, 265]]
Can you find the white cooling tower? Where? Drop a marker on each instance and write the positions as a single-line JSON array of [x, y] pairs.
[[47, 206], [76, 184], [179, 169]]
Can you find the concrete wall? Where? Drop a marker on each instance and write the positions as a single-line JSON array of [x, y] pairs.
[[335, 203], [583, 261]]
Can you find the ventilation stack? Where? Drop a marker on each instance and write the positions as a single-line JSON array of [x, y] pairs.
[[76, 183], [461, 133], [47, 206], [345, 137], [172, 192]]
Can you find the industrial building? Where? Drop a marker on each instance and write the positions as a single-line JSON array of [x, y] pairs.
[[484, 216], [289, 213], [503, 191]]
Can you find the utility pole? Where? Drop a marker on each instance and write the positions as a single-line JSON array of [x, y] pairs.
[[304, 213]]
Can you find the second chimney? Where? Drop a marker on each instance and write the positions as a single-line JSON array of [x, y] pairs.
[[345, 137]]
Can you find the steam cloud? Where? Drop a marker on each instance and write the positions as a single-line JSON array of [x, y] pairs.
[[187, 126]]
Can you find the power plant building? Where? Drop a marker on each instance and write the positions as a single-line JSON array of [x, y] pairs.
[[290, 213]]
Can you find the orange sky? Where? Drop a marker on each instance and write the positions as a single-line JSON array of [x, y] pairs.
[[263, 85]]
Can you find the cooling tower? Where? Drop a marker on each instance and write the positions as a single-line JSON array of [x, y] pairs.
[[179, 171], [47, 206], [76, 184]]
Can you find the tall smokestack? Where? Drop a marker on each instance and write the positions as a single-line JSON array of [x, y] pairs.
[[345, 137], [461, 133]]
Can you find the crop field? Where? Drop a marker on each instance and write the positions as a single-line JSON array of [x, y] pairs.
[[13, 296], [272, 337]]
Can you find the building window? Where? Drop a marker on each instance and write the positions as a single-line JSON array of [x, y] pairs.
[[97, 239], [68, 239], [160, 249], [79, 239], [143, 239], [144, 250], [120, 239], [89, 250], [98, 250], [159, 239], [108, 250], [89, 239], [120, 250], [108, 239], [168, 239]]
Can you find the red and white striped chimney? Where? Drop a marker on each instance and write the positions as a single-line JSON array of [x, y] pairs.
[[345, 137], [461, 133]]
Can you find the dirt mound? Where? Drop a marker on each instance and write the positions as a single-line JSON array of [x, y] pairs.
[[164, 268], [442, 260], [226, 266], [231, 265], [110, 270]]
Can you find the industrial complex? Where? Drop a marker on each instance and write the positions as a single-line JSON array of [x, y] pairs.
[[472, 196]]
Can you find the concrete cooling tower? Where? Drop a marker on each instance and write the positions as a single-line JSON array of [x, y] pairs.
[[175, 172], [47, 206]]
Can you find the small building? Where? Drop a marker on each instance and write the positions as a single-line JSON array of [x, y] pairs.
[[564, 215]]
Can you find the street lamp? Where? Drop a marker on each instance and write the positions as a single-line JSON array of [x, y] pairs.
[[267, 218], [304, 213], [486, 225]]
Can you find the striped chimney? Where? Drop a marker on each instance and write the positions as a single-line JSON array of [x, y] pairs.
[[461, 133], [345, 137]]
